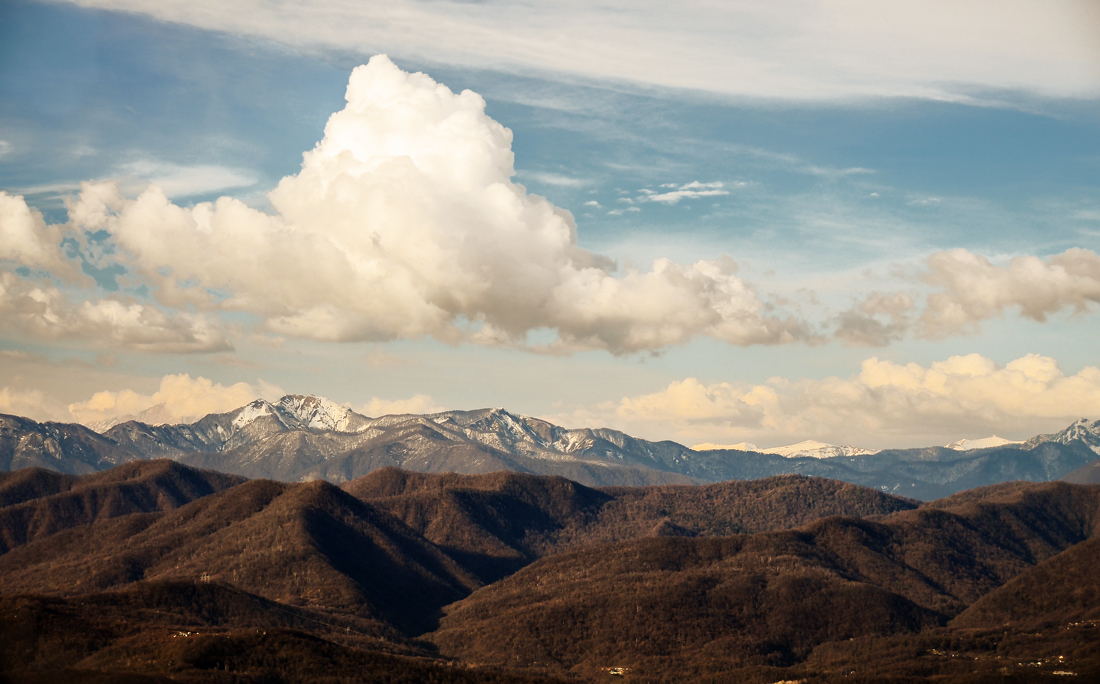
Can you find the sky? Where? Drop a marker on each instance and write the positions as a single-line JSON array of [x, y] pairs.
[[864, 223]]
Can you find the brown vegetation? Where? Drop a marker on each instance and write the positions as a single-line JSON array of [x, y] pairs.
[[673, 607], [158, 572]]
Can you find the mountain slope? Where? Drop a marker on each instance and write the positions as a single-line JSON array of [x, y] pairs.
[[497, 523], [65, 447], [307, 544], [312, 583], [171, 632], [664, 606], [44, 503], [1081, 431]]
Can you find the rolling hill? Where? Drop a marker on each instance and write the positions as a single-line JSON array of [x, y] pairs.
[[155, 571]]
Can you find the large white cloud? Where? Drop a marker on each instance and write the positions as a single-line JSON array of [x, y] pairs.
[[403, 222], [798, 50], [885, 404]]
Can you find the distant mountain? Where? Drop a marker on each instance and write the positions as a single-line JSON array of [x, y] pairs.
[[807, 449], [64, 447], [1086, 474], [301, 438], [983, 443], [815, 449], [157, 414], [1081, 431]]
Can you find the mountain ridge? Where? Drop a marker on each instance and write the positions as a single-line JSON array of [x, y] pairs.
[[303, 437]]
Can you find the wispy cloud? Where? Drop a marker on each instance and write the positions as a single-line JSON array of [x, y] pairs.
[[692, 190], [555, 179], [801, 51], [182, 181]]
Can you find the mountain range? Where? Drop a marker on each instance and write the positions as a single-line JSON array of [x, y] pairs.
[[154, 571], [300, 438]]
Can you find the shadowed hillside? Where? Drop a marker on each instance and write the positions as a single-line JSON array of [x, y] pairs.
[[38, 502], [497, 523], [204, 633], [662, 606], [306, 544], [154, 569]]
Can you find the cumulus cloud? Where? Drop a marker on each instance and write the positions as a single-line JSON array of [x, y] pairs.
[[180, 398], [26, 239], [878, 320], [972, 289], [42, 311], [418, 403], [885, 404], [404, 222], [692, 190]]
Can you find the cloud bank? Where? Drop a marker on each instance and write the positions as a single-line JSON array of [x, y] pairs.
[[180, 398], [885, 404]]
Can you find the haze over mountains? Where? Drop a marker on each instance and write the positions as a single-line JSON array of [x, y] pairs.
[[303, 437]]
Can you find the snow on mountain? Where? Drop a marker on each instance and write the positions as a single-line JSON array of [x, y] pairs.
[[814, 449], [984, 443], [1082, 429], [318, 413], [248, 414], [807, 449]]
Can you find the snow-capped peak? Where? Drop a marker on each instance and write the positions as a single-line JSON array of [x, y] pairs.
[[247, 414], [984, 443], [1081, 429], [318, 413]]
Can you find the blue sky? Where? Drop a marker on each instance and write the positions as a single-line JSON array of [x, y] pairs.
[[898, 211]]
